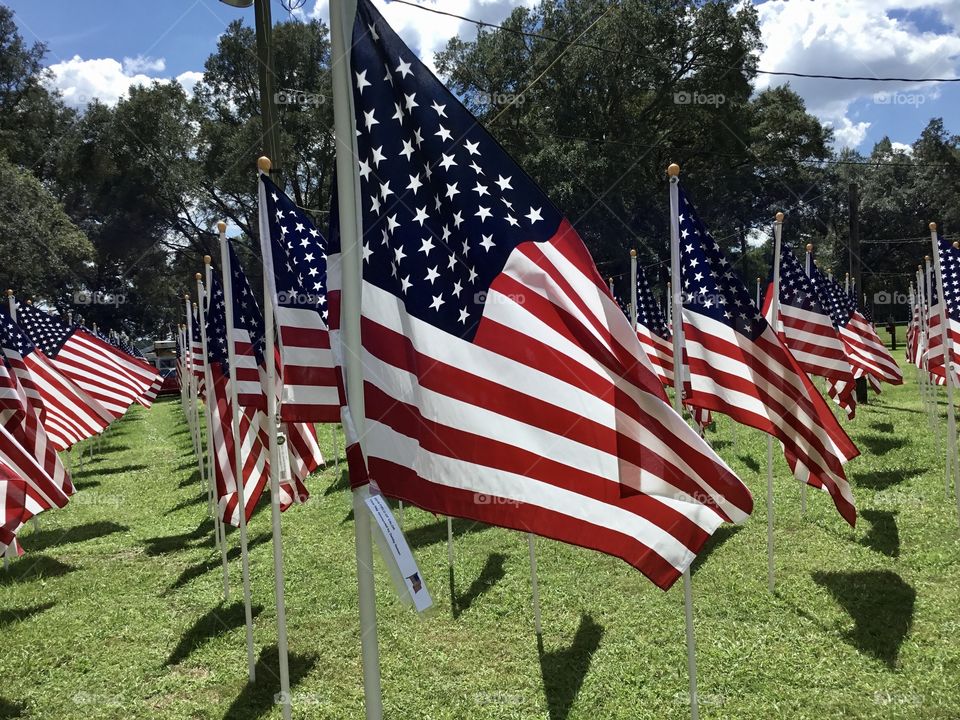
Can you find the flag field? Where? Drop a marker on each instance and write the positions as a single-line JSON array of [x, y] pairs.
[[116, 609]]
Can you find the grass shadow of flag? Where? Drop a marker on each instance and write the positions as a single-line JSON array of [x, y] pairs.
[[881, 444], [34, 567], [10, 710], [437, 532], [182, 541], [564, 670], [260, 696], [215, 562], [719, 537], [882, 479], [54, 537], [881, 605], [9, 617], [217, 621], [490, 575], [883, 536]]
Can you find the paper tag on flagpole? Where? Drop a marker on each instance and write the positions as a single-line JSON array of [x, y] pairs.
[[403, 565], [283, 456]]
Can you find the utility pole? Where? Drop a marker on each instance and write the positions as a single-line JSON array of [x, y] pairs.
[[854, 269], [268, 108]]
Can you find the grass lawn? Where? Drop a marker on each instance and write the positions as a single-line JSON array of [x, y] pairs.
[[116, 609]]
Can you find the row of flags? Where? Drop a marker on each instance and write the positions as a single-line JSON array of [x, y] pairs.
[[60, 383]]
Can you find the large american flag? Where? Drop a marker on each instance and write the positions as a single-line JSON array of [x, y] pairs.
[[69, 414], [865, 351], [84, 358], [808, 331], [132, 362], [501, 381], [653, 331], [254, 441], [302, 448], [195, 352], [739, 366], [950, 270], [295, 255]]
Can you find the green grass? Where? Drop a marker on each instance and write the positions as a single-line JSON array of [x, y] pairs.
[[116, 610]]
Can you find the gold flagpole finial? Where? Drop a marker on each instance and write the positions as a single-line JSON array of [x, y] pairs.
[[221, 227], [780, 217], [207, 259], [809, 247], [264, 164], [673, 170], [933, 227]]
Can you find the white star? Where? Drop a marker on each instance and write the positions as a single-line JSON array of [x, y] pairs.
[[392, 223], [421, 215], [452, 190], [457, 288], [385, 190], [404, 69], [399, 254], [370, 120], [481, 190], [472, 147], [439, 109], [362, 81], [487, 242], [364, 169], [378, 156], [463, 316], [447, 161], [426, 246], [443, 133], [367, 252], [405, 284], [410, 102], [432, 275], [414, 183], [407, 149], [437, 301], [476, 168], [483, 213], [373, 31], [504, 183], [534, 215], [512, 220]]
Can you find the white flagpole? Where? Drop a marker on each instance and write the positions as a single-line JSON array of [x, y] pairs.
[[227, 276], [273, 419], [342, 17], [211, 472], [205, 466], [951, 459], [775, 316], [633, 289], [674, 173], [934, 391], [191, 385], [922, 345], [195, 384], [12, 305]]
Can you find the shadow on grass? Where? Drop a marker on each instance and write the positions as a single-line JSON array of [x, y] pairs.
[[719, 537], [192, 479], [54, 537], [191, 502], [215, 562], [110, 471], [86, 484], [884, 427], [10, 710], [882, 479], [490, 575], [34, 567], [260, 696], [218, 621], [881, 605], [437, 532], [183, 541], [341, 483], [883, 536], [9, 617], [564, 670], [750, 461], [881, 444]]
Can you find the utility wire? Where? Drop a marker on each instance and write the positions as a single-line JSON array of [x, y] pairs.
[[590, 46]]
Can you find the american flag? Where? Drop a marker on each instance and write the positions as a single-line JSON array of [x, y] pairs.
[[865, 351], [134, 364], [738, 366], [302, 448], [652, 329], [501, 381], [84, 358], [807, 330], [68, 414], [950, 270], [295, 255], [196, 352], [913, 331], [254, 441]]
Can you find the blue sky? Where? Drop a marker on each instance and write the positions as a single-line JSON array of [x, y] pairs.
[[99, 49]]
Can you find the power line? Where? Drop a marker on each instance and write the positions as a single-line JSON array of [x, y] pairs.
[[590, 46]]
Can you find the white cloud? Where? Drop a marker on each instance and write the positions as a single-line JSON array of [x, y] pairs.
[[143, 64], [902, 147], [426, 32], [860, 38], [107, 80]]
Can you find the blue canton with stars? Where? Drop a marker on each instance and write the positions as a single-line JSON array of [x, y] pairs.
[[649, 312], [217, 325], [12, 337], [796, 289], [246, 312], [710, 287], [49, 333], [443, 205], [950, 268], [833, 298], [299, 253]]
